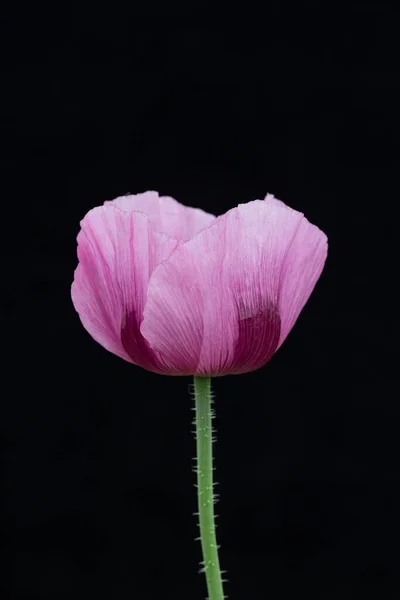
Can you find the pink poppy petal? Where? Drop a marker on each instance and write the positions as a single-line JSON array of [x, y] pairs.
[[302, 268], [213, 308], [117, 253], [166, 214]]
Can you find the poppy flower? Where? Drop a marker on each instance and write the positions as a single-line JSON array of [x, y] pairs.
[[179, 291]]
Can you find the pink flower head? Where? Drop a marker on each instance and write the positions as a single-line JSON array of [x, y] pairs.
[[179, 291]]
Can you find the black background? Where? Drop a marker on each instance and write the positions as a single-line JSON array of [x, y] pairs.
[[97, 491]]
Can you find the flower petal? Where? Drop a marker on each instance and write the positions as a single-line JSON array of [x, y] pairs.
[[213, 308], [166, 214], [117, 253], [303, 265]]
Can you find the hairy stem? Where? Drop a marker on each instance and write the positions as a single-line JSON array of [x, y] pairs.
[[204, 470]]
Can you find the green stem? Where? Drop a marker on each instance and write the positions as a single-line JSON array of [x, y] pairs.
[[204, 440]]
